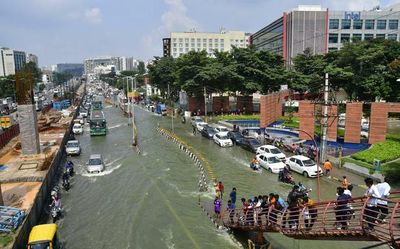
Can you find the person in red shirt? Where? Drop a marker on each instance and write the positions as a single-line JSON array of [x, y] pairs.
[[221, 189]]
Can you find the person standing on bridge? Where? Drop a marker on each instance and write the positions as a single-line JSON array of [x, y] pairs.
[[371, 210], [217, 207], [232, 195], [382, 204], [221, 189]]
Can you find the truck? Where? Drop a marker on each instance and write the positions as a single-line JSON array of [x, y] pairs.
[[161, 109]]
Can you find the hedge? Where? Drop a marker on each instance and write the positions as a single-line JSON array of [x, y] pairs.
[[385, 151]]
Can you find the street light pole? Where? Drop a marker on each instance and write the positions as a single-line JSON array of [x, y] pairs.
[[316, 161]]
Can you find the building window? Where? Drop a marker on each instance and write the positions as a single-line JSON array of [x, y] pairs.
[[344, 38], [222, 40], [392, 37], [186, 50], [204, 45], [174, 44], [175, 50], [198, 45], [210, 50], [357, 24], [186, 39], [192, 40], [357, 37], [193, 45], [187, 45], [332, 49], [333, 38], [333, 23], [198, 40], [180, 49], [369, 24], [215, 40], [175, 54], [346, 23], [209, 40], [204, 40], [174, 39], [180, 40], [180, 45], [380, 36], [381, 24], [393, 24], [368, 37]]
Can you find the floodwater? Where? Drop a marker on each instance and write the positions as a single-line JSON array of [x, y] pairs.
[[151, 200]]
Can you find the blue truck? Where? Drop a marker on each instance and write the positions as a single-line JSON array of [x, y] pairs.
[[161, 109]]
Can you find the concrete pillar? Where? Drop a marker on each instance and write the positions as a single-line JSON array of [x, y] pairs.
[[29, 134], [354, 113], [332, 123], [378, 122], [306, 119]]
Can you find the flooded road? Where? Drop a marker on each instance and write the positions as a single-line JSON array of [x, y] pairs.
[[150, 200]]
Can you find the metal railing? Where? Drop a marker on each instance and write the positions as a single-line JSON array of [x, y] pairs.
[[324, 220]]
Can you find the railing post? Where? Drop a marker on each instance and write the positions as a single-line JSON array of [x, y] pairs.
[[362, 214], [392, 222]]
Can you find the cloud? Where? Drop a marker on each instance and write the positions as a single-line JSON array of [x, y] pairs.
[[93, 15], [353, 4]]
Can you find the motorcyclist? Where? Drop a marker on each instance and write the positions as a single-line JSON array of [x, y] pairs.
[[253, 164], [69, 167], [65, 178]]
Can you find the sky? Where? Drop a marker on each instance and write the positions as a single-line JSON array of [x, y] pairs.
[[60, 31]]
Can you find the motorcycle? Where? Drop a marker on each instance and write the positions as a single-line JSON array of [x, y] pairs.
[[69, 168], [286, 177], [255, 166], [55, 212], [66, 185]]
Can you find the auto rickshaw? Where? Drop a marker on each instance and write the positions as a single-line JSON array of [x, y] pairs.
[[43, 237]]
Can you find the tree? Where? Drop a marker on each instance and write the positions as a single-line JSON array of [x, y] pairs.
[[60, 78], [32, 67], [162, 72], [7, 88], [141, 68]]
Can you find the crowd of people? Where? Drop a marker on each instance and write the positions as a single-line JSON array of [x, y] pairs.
[[265, 209]]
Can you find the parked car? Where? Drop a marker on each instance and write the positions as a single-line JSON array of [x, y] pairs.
[[270, 162], [77, 129], [272, 150], [222, 139], [73, 148], [236, 137], [250, 144], [303, 165], [83, 113], [208, 132], [95, 164], [195, 120], [219, 129], [200, 126]]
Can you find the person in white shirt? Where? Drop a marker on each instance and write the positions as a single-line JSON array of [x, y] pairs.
[[348, 190], [382, 204], [371, 210]]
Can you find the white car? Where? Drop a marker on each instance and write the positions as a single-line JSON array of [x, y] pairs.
[[73, 148], [222, 139], [219, 129], [200, 125], [270, 162], [77, 129], [303, 165], [195, 120], [271, 150], [95, 164]]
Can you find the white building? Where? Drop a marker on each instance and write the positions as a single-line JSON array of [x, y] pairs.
[[32, 58], [11, 61], [182, 42], [104, 69], [91, 63]]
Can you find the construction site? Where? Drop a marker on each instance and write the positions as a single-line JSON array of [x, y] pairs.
[[26, 178]]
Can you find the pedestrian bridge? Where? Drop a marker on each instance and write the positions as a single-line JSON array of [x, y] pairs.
[[326, 220]]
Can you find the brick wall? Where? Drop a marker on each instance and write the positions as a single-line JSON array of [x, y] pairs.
[[354, 113], [194, 104], [306, 119], [332, 123], [378, 122], [245, 103], [219, 102]]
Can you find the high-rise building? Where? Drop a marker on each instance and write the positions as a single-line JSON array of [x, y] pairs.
[[182, 42], [322, 30], [92, 63], [11, 61], [75, 69], [32, 58]]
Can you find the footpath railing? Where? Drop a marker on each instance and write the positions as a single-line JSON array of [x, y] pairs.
[[354, 220], [8, 134]]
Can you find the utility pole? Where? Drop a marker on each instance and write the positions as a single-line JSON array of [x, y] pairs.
[[172, 116], [128, 103], [324, 120], [205, 104]]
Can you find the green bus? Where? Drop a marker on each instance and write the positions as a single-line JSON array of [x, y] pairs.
[[97, 103], [98, 123]]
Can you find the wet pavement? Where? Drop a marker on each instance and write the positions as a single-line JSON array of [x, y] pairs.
[[151, 200]]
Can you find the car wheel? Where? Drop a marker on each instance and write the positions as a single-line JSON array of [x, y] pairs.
[[269, 170], [305, 174]]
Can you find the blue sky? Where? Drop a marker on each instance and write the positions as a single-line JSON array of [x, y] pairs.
[[71, 30]]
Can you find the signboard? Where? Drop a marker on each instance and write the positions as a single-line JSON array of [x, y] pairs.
[[350, 15], [133, 94]]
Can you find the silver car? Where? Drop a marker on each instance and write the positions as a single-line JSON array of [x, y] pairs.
[[73, 148], [95, 164]]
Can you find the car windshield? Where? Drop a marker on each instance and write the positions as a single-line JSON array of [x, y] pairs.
[[275, 151], [72, 145], [224, 137], [254, 142], [273, 160], [77, 126], [42, 245], [308, 163], [95, 161]]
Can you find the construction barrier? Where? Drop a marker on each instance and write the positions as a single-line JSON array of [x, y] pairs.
[[8, 134]]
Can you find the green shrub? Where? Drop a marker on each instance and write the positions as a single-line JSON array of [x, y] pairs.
[[393, 170], [237, 117], [385, 151]]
